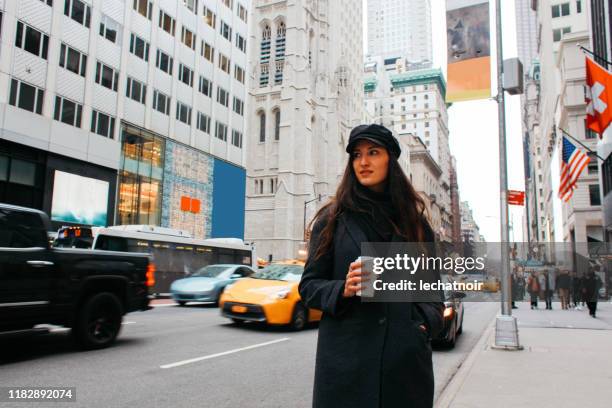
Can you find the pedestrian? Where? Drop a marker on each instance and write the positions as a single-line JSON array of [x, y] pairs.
[[516, 289], [590, 290], [550, 289], [542, 283], [369, 354], [563, 285], [576, 290], [533, 287]]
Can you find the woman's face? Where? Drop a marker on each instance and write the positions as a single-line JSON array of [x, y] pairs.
[[371, 165]]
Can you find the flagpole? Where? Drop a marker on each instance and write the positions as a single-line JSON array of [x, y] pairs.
[[597, 56], [581, 144]]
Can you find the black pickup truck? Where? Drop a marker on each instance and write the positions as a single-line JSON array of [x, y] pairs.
[[88, 291]]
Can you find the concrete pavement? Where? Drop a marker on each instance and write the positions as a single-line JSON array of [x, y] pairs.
[[565, 363]]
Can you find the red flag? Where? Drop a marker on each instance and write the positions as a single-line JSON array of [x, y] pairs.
[[599, 97]]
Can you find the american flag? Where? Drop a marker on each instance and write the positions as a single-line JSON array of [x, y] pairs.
[[573, 161]]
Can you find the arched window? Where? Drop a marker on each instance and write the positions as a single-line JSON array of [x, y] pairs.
[[277, 119], [262, 127], [280, 53], [264, 57]]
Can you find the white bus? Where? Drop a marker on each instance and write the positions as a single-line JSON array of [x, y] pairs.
[[175, 253]]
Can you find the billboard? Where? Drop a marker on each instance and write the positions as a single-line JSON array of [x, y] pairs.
[[79, 200], [469, 50]]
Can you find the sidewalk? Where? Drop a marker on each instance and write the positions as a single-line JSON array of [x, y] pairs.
[[566, 362]]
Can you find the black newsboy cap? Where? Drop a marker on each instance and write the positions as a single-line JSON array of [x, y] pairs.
[[377, 134]]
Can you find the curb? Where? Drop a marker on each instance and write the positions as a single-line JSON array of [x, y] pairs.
[[451, 390]]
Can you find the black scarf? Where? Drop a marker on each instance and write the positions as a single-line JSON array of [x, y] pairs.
[[376, 214]]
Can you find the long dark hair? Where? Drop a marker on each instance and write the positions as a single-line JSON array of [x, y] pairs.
[[409, 207]]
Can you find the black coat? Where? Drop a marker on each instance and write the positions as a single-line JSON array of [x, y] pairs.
[[369, 355]]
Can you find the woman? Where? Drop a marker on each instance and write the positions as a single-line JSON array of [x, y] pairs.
[[368, 354], [533, 287]]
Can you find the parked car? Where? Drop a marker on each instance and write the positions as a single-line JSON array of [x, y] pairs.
[[88, 291], [207, 283], [453, 320], [269, 296]]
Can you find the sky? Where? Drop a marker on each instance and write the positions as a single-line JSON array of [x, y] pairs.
[[474, 135]]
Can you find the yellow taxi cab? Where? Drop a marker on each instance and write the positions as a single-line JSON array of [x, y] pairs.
[[269, 296]]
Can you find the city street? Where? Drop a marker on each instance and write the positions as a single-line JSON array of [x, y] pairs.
[[152, 364]]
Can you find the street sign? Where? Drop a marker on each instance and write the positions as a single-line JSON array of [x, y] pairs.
[[516, 197]]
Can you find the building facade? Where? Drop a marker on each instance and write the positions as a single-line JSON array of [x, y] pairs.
[[401, 28], [557, 22], [469, 228], [136, 106], [305, 96]]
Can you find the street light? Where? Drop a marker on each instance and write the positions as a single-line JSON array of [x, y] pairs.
[[318, 198]]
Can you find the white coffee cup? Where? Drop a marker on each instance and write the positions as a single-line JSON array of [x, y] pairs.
[[368, 287]]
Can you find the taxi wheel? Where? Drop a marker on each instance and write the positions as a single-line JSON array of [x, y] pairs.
[[238, 322], [299, 318]]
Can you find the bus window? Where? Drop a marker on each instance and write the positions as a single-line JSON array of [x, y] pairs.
[[226, 256], [109, 243]]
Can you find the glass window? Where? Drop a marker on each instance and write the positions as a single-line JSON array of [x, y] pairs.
[[161, 102], [565, 9], [164, 62], [139, 47], [209, 17], [31, 40], [78, 11], [203, 122], [166, 22], [238, 106], [208, 51], [73, 60], [106, 76], [578, 6], [222, 96], [262, 127], [221, 131], [103, 124], [144, 8], [240, 42], [205, 86], [21, 229], [22, 172], [185, 75], [224, 63], [68, 112], [237, 138], [110, 29], [26, 96], [239, 74], [191, 5], [188, 38], [4, 162], [277, 119], [242, 12], [226, 31], [183, 113], [594, 195], [136, 90]]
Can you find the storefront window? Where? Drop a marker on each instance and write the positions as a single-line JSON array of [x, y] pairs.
[[140, 192]]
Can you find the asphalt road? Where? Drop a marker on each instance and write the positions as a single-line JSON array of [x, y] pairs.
[[192, 357]]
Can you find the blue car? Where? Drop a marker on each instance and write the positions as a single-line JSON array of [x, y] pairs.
[[207, 283]]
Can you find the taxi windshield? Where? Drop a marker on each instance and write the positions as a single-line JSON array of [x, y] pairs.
[[290, 273]]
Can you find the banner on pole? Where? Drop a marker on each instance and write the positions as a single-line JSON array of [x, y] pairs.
[[469, 50], [516, 197]]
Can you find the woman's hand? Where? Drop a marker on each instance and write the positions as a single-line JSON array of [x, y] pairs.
[[354, 279]]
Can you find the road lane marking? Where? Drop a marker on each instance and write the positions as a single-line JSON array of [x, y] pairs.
[[208, 357], [166, 305], [128, 322]]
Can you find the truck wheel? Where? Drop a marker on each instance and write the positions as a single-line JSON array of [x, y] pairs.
[[299, 318], [181, 303], [99, 321]]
